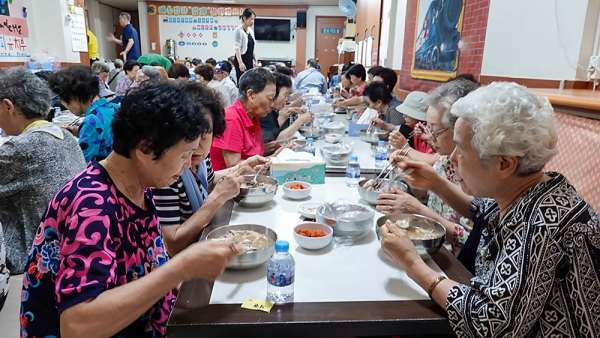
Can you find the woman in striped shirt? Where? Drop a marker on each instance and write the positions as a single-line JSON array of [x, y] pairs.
[[186, 207]]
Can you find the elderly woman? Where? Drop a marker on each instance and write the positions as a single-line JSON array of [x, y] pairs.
[[534, 248], [272, 123], [243, 136], [147, 75], [205, 74], [115, 75], [186, 207], [98, 266], [34, 164], [78, 90], [101, 70], [178, 71], [440, 124], [131, 68]]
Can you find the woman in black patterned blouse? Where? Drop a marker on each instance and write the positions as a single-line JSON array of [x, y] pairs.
[[535, 246]]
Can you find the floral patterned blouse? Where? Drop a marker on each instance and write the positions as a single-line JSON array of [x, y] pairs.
[[91, 239], [462, 225]]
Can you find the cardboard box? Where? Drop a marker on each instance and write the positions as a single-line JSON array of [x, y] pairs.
[[312, 172], [355, 128]]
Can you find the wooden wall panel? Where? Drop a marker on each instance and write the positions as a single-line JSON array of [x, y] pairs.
[[368, 14]]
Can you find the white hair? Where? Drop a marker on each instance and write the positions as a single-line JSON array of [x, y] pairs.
[[506, 119]]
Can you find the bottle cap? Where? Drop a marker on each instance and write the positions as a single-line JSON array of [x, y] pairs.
[[325, 116], [353, 158], [309, 140], [282, 246], [381, 143]]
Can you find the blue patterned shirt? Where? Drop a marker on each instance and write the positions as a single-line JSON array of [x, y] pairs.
[[95, 132]]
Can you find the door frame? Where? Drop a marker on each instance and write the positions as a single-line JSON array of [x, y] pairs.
[[316, 25]]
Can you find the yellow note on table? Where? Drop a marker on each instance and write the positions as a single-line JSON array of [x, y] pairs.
[[257, 304]]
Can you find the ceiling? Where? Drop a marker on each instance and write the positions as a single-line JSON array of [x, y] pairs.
[[131, 5]]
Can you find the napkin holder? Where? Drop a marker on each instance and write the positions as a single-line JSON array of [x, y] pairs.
[[355, 128], [311, 171]]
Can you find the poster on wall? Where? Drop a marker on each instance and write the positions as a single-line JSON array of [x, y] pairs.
[[436, 47], [14, 31], [78, 31]]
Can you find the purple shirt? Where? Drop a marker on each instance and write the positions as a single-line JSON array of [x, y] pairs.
[[92, 238]]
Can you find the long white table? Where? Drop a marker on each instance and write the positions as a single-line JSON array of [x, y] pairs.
[[333, 274]]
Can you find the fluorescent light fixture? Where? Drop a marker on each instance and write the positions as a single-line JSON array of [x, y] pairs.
[[223, 1]]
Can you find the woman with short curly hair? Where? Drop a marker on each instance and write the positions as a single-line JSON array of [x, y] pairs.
[[78, 90], [535, 246]]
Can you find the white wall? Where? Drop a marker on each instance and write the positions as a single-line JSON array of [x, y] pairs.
[[49, 31], [144, 29], [102, 19], [396, 43], [522, 39], [311, 21]]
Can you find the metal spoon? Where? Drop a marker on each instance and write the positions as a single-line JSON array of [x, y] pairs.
[[253, 183]]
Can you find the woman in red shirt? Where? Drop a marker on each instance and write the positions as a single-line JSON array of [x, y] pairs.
[[243, 136]]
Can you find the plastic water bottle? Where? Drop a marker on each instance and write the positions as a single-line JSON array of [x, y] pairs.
[[353, 172], [57, 112], [310, 147], [381, 155], [281, 274], [355, 118]]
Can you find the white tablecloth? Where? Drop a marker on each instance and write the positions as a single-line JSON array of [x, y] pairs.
[[342, 274]]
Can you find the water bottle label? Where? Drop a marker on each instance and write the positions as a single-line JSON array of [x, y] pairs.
[[380, 156], [352, 174], [280, 278]]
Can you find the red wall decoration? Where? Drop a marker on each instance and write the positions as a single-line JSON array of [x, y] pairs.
[[472, 43]]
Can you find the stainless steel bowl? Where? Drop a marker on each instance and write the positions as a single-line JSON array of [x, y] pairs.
[[299, 145], [374, 135], [371, 196], [355, 228], [257, 197], [425, 247], [314, 133], [251, 259], [390, 148], [336, 155]]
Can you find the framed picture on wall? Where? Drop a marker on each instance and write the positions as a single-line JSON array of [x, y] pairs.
[[438, 32]]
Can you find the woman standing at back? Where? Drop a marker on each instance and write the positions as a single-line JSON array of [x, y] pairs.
[[245, 56]]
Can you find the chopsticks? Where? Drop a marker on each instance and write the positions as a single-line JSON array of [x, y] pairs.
[[74, 122], [372, 124]]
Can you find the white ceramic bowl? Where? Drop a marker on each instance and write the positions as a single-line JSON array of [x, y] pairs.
[[313, 243], [296, 194], [333, 138], [303, 209]]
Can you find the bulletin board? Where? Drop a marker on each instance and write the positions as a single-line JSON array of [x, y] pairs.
[[199, 32], [14, 31]]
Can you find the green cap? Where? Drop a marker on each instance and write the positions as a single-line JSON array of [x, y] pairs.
[[414, 106]]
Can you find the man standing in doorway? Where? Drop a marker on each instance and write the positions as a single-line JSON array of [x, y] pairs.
[[130, 40]]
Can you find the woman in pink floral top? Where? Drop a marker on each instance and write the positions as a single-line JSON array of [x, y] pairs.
[[100, 234], [440, 123]]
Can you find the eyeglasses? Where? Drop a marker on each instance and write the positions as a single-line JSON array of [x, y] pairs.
[[436, 134]]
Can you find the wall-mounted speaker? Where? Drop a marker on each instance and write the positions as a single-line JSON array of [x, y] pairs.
[[301, 19]]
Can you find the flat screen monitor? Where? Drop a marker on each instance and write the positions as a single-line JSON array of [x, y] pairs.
[[272, 29]]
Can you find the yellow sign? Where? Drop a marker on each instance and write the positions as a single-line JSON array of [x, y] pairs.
[[257, 305]]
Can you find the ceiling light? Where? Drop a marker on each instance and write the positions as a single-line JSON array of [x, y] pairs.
[[223, 1]]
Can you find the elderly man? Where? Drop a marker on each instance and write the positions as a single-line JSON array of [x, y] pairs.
[[34, 164], [222, 75], [115, 75], [535, 245], [130, 40], [243, 136], [310, 78], [205, 73]]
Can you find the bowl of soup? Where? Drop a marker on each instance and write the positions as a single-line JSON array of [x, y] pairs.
[[258, 242], [427, 234]]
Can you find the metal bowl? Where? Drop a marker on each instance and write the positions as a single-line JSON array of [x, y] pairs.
[[371, 196], [248, 260], [353, 229], [314, 133], [425, 247], [257, 197], [390, 148], [336, 155], [374, 135], [299, 145], [335, 128]]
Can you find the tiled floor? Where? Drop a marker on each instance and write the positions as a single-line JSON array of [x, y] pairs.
[[9, 316]]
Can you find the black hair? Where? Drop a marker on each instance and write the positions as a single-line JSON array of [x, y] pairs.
[[211, 61], [178, 70], [281, 81], [359, 71], [129, 65], [373, 70], [388, 75], [44, 74], [75, 83], [255, 79], [171, 60], [205, 71], [158, 116], [211, 104], [155, 64], [347, 66], [231, 59], [284, 70], [312, 62], [376, 91], [196, 62], [247, 13], [346, 75]]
